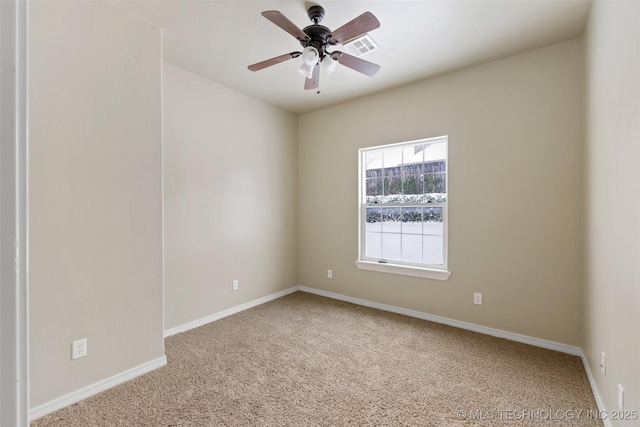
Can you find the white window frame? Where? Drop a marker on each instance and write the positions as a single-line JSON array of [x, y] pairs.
[[438, 272]]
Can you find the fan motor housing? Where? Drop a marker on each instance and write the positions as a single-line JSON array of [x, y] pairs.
[[319, 37]]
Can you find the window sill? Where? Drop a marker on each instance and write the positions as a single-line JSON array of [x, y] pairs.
[[426, 273]]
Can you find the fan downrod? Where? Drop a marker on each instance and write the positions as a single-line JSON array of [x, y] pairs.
[[316, 14]]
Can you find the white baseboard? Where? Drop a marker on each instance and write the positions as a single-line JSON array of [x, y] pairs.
[[95, 388], [606, 422], [538, 342], [228, 312]]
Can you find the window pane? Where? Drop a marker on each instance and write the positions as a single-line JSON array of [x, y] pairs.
[[374, 243], [432, 250], [411, 248], [413, 155], [372, 160], [392, 158], [391, 246], [411, 220], [412, 184], [432, 228], [433, 220], [374, 186], [435, 183], [440, 181], [391, 220], [392, 185], [437, 151], [392, 161], [374, 220]]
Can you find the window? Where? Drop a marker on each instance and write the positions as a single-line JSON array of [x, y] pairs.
[[403, 208]]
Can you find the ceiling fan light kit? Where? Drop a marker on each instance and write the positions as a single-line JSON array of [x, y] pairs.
[[316, 39], [309, 60]]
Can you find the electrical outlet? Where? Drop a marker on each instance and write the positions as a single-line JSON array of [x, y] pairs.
[[78, 349], [477, 298], [603, 363], [620, 398], [329, 274], [235, 285]]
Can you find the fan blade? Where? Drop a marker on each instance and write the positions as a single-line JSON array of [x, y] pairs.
[[314, 81], [273, 61], [283, 22], [354, 28], [365, 67]]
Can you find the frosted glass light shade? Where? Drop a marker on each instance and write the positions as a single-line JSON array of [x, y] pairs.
[[329, 64]]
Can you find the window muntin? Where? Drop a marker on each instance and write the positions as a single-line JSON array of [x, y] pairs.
[[403, 203]]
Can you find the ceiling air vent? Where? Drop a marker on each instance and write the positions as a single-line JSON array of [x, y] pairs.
[[361, 45]]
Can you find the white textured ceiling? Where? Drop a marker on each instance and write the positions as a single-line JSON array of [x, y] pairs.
[[417, 39]]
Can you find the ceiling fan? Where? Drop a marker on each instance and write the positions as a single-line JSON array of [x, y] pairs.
[[316, 39]]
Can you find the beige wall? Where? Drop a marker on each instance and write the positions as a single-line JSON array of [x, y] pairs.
[[612, 193], [230, 197], [515, 200], [95, 202]]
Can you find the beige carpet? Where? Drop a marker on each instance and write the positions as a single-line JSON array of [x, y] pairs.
[[305, 360]]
